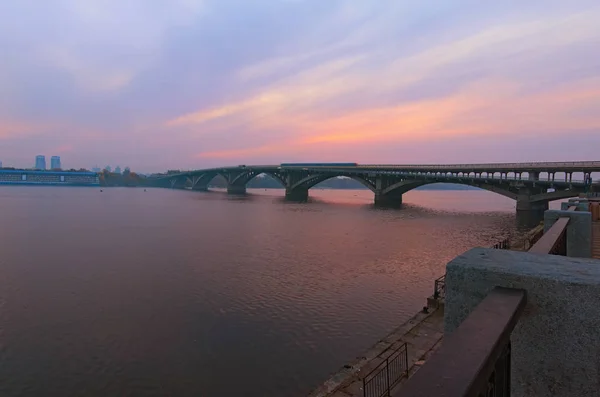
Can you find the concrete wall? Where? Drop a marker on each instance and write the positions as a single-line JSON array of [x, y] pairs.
[[556, 344], [579, 231]]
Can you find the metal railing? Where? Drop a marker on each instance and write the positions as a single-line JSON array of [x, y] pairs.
[[534, 166], [380, 381], [474, 359], [502, 245], [439, 287]]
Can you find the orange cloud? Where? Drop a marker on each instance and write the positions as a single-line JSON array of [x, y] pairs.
[[296, 106]]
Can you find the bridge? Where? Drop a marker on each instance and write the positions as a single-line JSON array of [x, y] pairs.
[[532, 185]]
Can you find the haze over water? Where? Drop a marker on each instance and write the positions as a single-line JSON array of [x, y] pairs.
[[129, 292]]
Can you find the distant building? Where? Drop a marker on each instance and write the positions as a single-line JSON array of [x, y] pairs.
[[40, 162], [117, 170], [0, 164], [96, 169], [108, 168], [55, 163]]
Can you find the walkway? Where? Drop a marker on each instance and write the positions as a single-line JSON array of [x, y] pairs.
[[596, 240], [423, 334]]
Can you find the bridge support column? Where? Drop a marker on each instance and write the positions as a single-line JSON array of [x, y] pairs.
[[297, 195], [236, 189], [390, 200], [533, 206]]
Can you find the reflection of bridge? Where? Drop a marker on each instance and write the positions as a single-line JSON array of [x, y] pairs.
[[527, 183]]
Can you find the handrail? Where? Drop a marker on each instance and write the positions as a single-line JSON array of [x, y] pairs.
[[554, 240], [382, 379], [476, 356], [439, 287]]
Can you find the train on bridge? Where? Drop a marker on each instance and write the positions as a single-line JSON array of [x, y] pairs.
[[309, 165]]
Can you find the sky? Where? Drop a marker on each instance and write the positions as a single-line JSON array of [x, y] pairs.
[[188, 84]]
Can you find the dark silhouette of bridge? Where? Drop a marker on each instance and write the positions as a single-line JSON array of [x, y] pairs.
[[532, 185]]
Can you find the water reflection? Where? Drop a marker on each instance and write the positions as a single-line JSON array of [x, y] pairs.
[[181, 293]]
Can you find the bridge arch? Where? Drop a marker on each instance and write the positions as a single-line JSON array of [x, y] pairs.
[[406, 186], [243, 179], [313, 180], [202, 180]]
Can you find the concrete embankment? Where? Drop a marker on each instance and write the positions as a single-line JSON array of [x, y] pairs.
[[422, 333]]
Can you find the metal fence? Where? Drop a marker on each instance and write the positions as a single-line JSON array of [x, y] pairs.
[[502, 245], [439, 287], [380, 381]]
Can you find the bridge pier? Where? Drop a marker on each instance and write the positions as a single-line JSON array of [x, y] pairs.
[[390, 200], [532, 206], [297, 195], [236, 189]]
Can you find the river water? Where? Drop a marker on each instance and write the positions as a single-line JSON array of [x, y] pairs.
[[161, 292]]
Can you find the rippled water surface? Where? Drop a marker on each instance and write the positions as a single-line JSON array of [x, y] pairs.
[[129, 292]]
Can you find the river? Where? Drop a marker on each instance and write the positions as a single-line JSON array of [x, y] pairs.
[[128, 292]]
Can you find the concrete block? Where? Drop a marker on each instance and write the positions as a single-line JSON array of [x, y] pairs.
[[579, 231], [582, 205], [556, 343]]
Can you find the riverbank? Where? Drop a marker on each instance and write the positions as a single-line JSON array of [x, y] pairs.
[[423, 334]]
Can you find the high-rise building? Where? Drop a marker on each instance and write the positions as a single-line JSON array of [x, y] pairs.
[[40, 162], [55, 163], [117, 170]]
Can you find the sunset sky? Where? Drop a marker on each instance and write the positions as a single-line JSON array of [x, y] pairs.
[[163, 84]]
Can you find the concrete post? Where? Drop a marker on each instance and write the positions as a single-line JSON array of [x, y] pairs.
[[524, 204], [534, 176], [555, 345], [236, 189], [579, 231], [297, 195], [391, 200], [582, 204]]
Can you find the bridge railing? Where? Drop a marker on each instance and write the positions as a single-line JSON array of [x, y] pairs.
[[474, 360], [360, 170], [535, 166], [382, 379]]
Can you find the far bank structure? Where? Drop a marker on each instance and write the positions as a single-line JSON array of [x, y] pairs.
[[55, 178]]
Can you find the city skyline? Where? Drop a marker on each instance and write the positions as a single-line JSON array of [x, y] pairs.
[[193, 84]]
